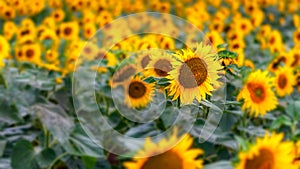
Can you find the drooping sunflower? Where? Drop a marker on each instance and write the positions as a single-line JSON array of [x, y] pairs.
[[195, 74], [269, 152], [138, 93], [284, 81], [160, 64], [123, 75], [257, 93], [160, 156]]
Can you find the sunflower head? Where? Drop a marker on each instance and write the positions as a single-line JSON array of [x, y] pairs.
[[257, 93], [269, 152], [284, 81], [138, 93], [194, 74], [160, 156]]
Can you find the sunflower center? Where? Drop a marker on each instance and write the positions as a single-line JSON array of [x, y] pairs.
[[145, 61], [298, 36], [264, 160], [282, 81], [137, 90], [29, 53], [67, 31], [168, 159], [87, 50], [193, 73], [162, 67], [257, 92]]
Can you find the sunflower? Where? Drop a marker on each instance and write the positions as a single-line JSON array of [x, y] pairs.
[[298, 80], [123, 75], [194, 74], [257, 93], [58, 15], [159, 156], [138, 93], [297, 153], [297, 36], [4, 47], [32, 53], [160, 64], [284, 81], [269, 152], [69, 30]]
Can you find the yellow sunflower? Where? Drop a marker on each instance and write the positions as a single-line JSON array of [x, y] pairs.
[[160, 64], [32, 53], [138, 93], [4, 50], [269, 152], [195, 74], [297, 153], [257, 94], [159, 156], [284, 81]]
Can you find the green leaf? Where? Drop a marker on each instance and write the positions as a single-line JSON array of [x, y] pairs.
[[280, 121], [227, 54], [23, 156], [45, 157], [89, 162], [293, 110], [2, 146], [224, 45]]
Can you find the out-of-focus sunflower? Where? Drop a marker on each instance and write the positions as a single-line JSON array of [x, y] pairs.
[[9, 29], [298, 80], [160, 156], [194, 74], [58, 15], [275, 41], [269, 152], [284, 81], [138, 93], [295, 54], [160, 64], [257, 93], [123, 75], [4, 50], [215, 38], [297, 37], [32, 53], [89, 30], [297, 153], [281, 60], [69, 30]]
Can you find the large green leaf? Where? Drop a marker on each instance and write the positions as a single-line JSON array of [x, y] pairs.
[[23, 156]]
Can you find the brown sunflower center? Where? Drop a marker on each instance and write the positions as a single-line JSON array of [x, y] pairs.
[[162, 67], [137, 90], [272, 40], [29, 53], [87, 50], [169, 160], [298, 36], [264, 160], [145, 61], [257, 92], [282, 81], [193, 73], [67, 31]]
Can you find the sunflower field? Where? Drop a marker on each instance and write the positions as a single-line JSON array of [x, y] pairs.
[[160, 84]]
